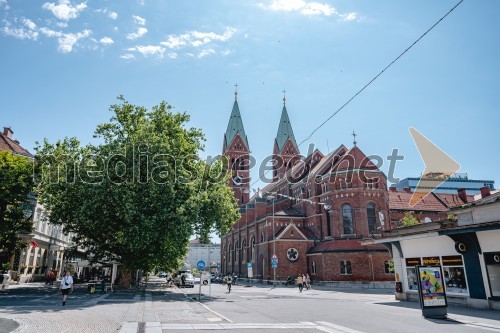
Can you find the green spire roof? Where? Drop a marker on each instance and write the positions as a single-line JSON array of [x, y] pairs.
[[235, 126], [285, 131]]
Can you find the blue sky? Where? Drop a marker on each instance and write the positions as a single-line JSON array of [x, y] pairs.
[[64, 62]]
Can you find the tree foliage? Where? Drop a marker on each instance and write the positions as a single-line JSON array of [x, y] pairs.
[[16, 182], [409, 220], [139, 194]]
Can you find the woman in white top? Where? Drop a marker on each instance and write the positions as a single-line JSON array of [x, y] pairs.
[[66, 286]]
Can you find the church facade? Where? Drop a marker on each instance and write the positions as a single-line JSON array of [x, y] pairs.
[[311, 218]]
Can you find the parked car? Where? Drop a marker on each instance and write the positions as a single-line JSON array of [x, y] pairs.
[[162, 274], [189, 282]]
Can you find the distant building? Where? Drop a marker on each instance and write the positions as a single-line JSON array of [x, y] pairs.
[[451, 185], [206, 252], [434, 207], [46, 244]]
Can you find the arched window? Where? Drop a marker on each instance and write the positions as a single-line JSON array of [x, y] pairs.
[[244, 251], [345, 268], [236, 252], [262, 238], [230, 254], [252, 250], [347, 219], [372, 219]]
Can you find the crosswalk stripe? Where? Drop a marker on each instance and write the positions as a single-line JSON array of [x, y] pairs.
[[157, 327]]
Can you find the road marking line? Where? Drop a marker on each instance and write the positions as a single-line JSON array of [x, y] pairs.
[[337, 327]]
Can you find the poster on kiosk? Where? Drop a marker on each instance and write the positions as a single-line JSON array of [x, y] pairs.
[[431, 291]]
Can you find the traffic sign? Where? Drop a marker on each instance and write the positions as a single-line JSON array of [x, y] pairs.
[[200, 264], [274, 262]]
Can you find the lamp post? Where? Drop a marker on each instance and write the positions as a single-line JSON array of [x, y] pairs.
[[271, 197]]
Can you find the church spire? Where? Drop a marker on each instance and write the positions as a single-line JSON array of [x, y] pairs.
[[235, 125], [285, 131]]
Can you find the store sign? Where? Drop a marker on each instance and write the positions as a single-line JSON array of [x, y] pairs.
[[410, 262], [431, 261], [492, 258], [431, 286], [452, 261]]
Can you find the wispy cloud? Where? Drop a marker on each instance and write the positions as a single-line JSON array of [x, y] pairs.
[[4, 4], [196, 38], [139, 20], [140, 32], [66, 41], [106, 41], [206, 52], [111, 15], [149, 50], [65, 10], [27, 30], [127, 56], [308, 8]]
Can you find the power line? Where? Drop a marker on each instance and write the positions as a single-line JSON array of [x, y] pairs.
[[373, 79], [381, 72]]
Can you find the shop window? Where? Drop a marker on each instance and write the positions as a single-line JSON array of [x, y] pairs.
[[454, 274], [492, 261], [345, 268], [411, 275]]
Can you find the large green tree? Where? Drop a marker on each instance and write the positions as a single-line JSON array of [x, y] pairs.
[[16, 181], [140, 193]]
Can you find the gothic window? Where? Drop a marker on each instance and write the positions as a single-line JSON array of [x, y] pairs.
[[345, 268], [252, 250], [347, 219], [244, 251], [230, 250], [313, 270], [372, 220], [262, 238], [236, 251]]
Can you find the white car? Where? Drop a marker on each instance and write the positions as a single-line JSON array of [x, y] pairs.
[[189, 282]]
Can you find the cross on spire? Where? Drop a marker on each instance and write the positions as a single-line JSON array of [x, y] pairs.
[[284, 96], [235, 91], [354, 136]]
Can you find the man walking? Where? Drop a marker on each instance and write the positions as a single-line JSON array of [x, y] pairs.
[[300, 282], [66, 286]]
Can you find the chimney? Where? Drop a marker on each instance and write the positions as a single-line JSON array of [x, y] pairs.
[[8, 132], [392, 188], [485, 192], [462, 194]]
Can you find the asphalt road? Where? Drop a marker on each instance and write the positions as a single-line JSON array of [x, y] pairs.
[[354, 310], [246, 308]]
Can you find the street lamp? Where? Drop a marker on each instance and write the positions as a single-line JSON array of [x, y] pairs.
[[271, 197]]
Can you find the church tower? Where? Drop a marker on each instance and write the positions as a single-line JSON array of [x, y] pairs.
[[285, 147], [237, 150]]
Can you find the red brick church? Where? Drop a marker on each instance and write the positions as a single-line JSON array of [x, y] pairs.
[[313, 215]]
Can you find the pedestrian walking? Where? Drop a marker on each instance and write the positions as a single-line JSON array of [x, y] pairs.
[[308, 281], [66, 286], [229, 282], [304, 282], [300, 282], [52, 277]]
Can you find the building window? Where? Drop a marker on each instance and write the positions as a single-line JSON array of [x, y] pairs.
[[252, 252], [262, 238], [345, 268], [347, 219], [372, 220], [389, 266], [313, 269], [244, 250]]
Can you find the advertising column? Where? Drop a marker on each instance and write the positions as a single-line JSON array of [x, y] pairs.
[[431, 291]]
